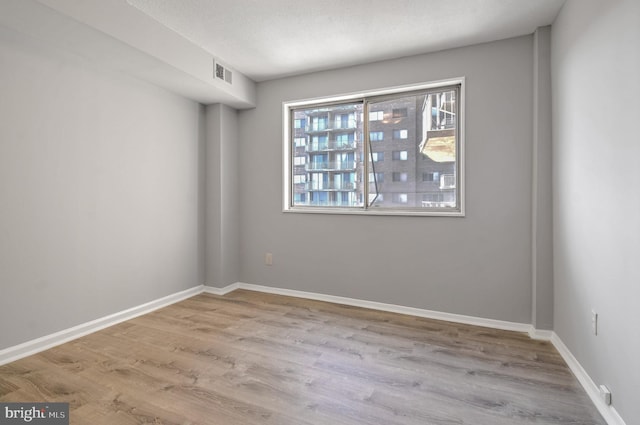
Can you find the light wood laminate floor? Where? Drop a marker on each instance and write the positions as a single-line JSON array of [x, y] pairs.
[[252, 358]]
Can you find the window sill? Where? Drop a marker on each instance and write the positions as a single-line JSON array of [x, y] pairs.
[[374, 212]]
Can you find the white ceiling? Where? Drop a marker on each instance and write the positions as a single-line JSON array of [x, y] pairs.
[[266, 39], [175, 43]]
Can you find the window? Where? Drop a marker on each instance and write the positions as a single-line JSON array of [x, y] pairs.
[[400, 177], [431, 177], [318, 123], [376, 116], [376, 136], [319, 143], [319, 162], [400, 134], [344, 141], [345, 121], [399, 155], [342, 171], [399, 112]]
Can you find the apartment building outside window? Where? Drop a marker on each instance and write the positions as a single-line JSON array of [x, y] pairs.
[[344, 151]]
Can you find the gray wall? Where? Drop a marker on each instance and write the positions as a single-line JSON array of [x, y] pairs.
[[542, 194], [479, 265], [99, 199], [596, 64], [222, 221]]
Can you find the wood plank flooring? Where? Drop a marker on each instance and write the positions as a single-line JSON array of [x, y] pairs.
[[252, 358]]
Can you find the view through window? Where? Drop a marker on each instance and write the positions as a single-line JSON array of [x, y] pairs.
[[391, 152]]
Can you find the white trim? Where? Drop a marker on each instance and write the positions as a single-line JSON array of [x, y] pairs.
[[407, 212], [37, 345], [540, 334], [287, 170], [393, 308], [609, 413], [286, 155], [461, 165], [370, 93], [221, 291]]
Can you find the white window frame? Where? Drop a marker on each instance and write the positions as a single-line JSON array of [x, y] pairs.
[[287, 127], [376, 115]]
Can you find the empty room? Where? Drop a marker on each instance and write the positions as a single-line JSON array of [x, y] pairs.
[[293, 212]]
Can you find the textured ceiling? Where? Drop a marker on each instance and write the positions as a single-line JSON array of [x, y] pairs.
[[266, 39]]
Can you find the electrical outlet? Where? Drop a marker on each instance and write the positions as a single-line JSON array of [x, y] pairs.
[[268, 259], [594, 322]]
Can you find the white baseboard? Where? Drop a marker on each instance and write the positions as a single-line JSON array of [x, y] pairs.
[[609, 413], [393, 308], [221, 291], [540, 334], [37, 345]]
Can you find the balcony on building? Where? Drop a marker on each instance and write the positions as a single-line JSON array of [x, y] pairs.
[[331, 186], [331, 166], [333, 119], [333, 145]]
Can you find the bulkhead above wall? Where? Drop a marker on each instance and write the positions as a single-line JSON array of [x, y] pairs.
[[118, 37]]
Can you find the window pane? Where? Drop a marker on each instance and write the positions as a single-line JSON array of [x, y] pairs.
[[423, 152], [400, 177], [330, 162], [333, 164], [400, 134], [400, 155], [376, 136], [376, 116], [399, 112]]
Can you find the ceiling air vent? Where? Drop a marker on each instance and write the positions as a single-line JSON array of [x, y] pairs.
[[222, 73]]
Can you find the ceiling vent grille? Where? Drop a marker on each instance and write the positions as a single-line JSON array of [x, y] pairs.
[[222, 73]]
